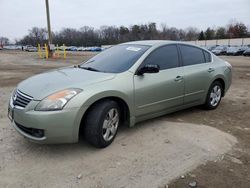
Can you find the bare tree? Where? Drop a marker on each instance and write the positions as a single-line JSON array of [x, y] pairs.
[[89, 36], [36, 36], [237, 30], [192, 33]]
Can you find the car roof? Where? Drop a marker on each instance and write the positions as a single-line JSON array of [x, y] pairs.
[[157, 42]]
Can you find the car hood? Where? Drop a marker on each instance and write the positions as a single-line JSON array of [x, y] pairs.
[[42, 85]]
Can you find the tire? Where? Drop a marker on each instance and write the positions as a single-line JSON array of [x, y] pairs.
[[101, 123], [214, 96]]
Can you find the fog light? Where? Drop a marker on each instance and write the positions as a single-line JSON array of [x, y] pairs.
[[38, 133]]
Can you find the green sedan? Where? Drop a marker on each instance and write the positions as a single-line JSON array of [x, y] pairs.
[[124, 84]]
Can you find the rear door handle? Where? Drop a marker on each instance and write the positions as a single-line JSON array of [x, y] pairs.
[[210, 70], [178, 78]]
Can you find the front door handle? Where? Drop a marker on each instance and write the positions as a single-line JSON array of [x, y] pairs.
[[210, 70], [178, 78]]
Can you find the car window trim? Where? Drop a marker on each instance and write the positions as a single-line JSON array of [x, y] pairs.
[[143, 62], [210, 57]]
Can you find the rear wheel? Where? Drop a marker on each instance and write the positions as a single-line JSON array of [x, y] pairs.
[[102, 123], [214, 96]]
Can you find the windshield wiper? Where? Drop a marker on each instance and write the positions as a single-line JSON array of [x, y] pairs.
[[88, 68]]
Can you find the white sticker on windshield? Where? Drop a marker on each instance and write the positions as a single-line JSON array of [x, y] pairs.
[[131, 48]]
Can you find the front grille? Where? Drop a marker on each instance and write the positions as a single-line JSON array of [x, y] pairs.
[[21, 99], [39, 133]]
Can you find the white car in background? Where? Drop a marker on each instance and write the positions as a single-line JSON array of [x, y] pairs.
[[81, 48], [30, 48]]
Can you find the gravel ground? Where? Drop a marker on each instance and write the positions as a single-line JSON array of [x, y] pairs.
[[210, 148]]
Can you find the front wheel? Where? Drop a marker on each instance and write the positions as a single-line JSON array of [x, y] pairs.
[[102, 123], [214, 96]]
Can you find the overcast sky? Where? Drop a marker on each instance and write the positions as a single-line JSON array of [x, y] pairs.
[[17, 16]]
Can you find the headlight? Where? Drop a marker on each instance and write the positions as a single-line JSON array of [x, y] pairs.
[[57, 100]]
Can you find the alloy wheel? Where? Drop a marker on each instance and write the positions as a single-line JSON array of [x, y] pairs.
[[215, 95], [110, 124]]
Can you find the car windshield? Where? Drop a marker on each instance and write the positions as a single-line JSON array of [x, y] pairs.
[[116, 59]]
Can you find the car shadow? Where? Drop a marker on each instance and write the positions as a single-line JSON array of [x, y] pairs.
[[124, 133]]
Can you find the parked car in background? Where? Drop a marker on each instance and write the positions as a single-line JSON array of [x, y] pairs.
[[96, 49], [220, 50], [124, 84], [30, 48], [91, 49], [80, 48], [71, 48], [210, 48], [9, 47], [235, 50], [247, 52], [87, 49], [61, 48], [243, 49], [66, 48], [18, 47]]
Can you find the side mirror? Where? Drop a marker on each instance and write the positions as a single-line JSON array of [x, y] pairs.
[[149, 68]]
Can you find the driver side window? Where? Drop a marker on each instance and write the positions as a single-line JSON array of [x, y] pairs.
[[166, 57]]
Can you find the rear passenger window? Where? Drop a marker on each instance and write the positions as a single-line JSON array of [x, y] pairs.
[[207, 56], [191, 55], [166, 57]]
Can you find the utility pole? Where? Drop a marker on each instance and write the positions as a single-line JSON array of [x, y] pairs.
[[48, 26]]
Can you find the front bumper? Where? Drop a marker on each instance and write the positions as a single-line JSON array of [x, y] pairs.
[[57, 126]]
